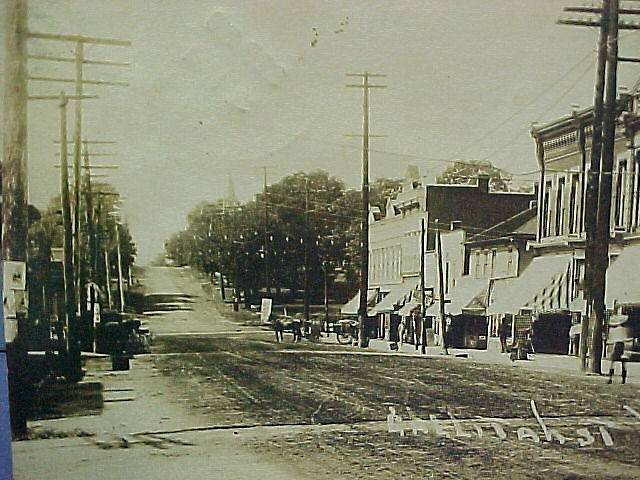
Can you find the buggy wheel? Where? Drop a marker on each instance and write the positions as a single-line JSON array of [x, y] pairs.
[[344, 338]]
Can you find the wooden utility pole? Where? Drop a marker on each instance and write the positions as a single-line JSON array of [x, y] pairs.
[[423, 300], [364, 231], [443, 320], [593, 180], [73, 359], [598, 190], [120, 280], [307, 241], [14, 202], [325, 267], [79, 81], [603, 225], [267, 275], [107, 268]]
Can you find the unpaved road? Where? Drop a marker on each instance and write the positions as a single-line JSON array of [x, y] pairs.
[[114, 445], [218, 399]]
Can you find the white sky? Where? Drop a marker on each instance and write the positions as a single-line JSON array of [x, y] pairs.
[[223, 87]]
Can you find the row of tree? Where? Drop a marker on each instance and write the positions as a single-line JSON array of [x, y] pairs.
[[264, 242]]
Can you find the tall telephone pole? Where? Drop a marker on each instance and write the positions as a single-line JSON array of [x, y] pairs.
[[267, 282], [603, 228], [599, 180], [73, 360], [364, 231], [14, 204], [307, 241], [443, 319], [423, 302], [78, 60]]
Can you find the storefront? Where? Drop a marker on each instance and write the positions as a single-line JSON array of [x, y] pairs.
[[540, 299], [465, 306]]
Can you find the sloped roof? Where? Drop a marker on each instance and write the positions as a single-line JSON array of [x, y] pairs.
[[522, 223]]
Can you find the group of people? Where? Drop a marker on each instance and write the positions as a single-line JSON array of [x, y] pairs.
[[414, 327]]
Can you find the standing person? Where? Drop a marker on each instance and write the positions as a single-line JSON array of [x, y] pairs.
[[417, 328], [504, 333], [617, 355], [394, 334], [446, 334], [402, 330]]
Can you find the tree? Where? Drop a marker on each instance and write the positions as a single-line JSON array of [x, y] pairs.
[[466, 173], [231, 240]]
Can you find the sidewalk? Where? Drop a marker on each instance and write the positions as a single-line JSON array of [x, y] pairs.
[[542, 362]]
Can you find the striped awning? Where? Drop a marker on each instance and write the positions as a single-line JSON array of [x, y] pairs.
[[396, 297], [542, 286], [467, 294], [351, 307]]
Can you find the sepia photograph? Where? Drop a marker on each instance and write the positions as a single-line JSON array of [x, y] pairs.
[[320, 239]]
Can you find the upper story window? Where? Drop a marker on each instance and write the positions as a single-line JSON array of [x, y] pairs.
[[620, 182], [574, 218], [494, 254], [546, 212], [559, 220]]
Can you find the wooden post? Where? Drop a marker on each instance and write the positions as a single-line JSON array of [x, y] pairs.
[[603, 225], [14, 200], [326, 295], [364, 230], [443, 320], [120, 279], [77, 187], [267, 275], [67, 239], [108, 276], [423, 302], [593, 178], [307, 241]]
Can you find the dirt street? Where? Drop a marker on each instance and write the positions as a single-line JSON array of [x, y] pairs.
[[219, 397]]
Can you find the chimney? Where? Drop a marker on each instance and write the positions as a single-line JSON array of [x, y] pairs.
[[483, 183], [456, 225]]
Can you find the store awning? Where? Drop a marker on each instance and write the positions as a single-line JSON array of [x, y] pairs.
[[408, 308], [541, 286], [623, 280], [397, 296], [467, 294], [351, 307]]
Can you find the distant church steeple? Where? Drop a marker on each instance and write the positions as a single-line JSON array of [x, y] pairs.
[[230, 199]]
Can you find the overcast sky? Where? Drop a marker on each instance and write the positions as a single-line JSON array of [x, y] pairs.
[[220, 88]]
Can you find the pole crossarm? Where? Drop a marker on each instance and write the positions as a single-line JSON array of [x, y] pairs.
[[95, 142], [366, 74], [371, 135], [629, 59], [99, 154], [89, 167], [79, 39], [49, 58], [594, 22], [586, 9], [57, 97], [368, 86], [71, 80]]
